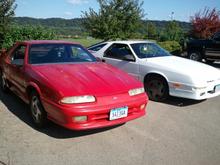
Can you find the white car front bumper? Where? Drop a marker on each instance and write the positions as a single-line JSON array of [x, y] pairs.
[[191, 92]]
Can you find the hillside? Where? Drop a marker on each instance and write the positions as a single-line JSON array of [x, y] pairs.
[[74, 27]]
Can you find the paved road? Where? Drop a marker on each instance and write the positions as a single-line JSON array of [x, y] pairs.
[[180, 131], [176, 132]]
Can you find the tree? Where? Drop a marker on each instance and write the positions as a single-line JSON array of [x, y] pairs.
[[7, 8], [151, 30], [205, 23], [115, 19], [172, 32], [21, 33]]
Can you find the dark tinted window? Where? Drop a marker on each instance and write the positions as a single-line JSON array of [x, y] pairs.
[[217, 36], [58, 53], [96, 47], [18, 53], [118, 51]]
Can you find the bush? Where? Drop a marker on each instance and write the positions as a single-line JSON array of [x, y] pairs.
[[27, 33], [172, 46]]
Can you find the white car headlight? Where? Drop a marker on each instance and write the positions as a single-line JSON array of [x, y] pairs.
[[78, 99], [198, 88], [136, 91]]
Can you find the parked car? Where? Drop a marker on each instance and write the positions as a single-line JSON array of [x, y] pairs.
[[63, 82], [207, 49], [162, 73]]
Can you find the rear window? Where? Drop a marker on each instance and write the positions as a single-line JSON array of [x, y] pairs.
[[97, 47]]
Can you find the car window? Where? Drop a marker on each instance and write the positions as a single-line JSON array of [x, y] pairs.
[[149, 50], [96, 47], [18, 53], [58, 53], [118, 51], [217, 36]]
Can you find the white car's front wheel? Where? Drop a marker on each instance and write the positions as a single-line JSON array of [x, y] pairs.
[[156, 88]]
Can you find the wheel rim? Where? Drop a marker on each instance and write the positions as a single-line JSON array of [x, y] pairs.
[[156, 89], [3, 81], [35, 109], [194, 56]]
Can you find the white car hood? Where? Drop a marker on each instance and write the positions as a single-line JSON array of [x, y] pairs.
[[197, 71]]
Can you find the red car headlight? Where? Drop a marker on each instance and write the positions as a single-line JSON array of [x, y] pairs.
[[78, 99]]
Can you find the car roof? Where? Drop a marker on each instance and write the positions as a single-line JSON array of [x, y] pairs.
[[48, 42], [129, 42]]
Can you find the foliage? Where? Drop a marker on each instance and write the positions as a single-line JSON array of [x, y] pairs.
[[115, 19], [151, 31], [172, 46], [27, 33], [7, 8], [73, 27], [205, 23], [172, 32], [84, 41], [63, 27]]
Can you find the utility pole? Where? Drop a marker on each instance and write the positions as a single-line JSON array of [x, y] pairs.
[[172, 16]]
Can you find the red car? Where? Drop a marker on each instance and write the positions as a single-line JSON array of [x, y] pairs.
[[63, 82]]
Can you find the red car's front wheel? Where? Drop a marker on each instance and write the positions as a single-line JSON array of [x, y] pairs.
[[4, 85], [38, 113]]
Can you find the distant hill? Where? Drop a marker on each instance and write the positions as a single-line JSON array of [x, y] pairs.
[[73, 27]]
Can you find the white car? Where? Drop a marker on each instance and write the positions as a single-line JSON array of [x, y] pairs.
[[162, 73]]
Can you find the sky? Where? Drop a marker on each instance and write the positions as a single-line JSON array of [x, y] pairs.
[[154, 9]]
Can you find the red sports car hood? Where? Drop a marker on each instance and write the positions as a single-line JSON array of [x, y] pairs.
[[86, 78]]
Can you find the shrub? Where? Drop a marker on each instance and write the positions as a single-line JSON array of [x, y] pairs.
[[27, 33], [172, 46]]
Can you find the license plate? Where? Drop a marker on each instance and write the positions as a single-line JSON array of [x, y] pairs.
[[118, 113], [217, 88]]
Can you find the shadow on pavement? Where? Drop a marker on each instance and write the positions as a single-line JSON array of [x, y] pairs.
[[181, 102], [21, 110]]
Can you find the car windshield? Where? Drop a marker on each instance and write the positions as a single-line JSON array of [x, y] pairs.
[[149, 50], [58, 53]]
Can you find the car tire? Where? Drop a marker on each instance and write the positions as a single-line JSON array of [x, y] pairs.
[[195, 55], [156, 88], [38, 114], [4, 86]]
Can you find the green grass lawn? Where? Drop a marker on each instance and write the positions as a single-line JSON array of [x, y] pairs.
[[83, 41]]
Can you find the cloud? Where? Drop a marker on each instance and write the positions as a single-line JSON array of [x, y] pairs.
[[68, 13], [77, 2]]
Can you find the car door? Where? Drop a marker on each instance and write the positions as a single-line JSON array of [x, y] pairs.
[[213, 48], [121, 56], [15, 69]]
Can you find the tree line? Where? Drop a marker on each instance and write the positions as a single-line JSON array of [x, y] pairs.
[[115, 19]]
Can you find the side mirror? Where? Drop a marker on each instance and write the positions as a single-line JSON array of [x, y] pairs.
[[18, 62], [128, 57]]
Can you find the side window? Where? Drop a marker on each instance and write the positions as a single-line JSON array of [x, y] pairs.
[[18, 53], [217, 36], [97, 47], [119, 51]]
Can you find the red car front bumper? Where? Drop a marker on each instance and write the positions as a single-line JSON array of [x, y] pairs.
[[97, 113]]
